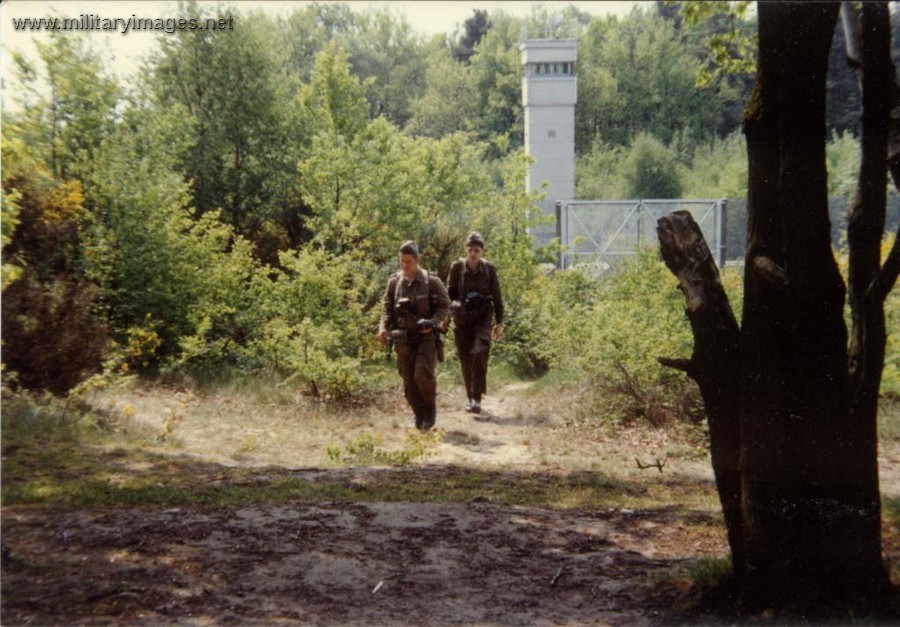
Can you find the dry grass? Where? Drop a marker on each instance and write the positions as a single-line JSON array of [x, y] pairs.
[[253, 424]]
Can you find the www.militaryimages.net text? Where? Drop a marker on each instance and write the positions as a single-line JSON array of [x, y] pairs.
[[96, 22]]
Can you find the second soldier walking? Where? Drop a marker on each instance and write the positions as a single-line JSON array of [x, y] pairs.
[[476, 302]]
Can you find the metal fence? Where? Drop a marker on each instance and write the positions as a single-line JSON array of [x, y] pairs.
[[605, 231]]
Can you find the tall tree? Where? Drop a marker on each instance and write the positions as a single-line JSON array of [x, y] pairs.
[[308, 30], [638, 75], [448, 104], [497, 73], [68, 104], [244, 148], [386, 49], [52, 334], [474, 29], [791, 403]]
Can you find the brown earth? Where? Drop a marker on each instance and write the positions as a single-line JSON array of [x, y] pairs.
[[370, 563], [338, 563]]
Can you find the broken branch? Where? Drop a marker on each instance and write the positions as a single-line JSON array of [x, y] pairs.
[[685, 365], [659, 464], [556, 577], [887, 276]]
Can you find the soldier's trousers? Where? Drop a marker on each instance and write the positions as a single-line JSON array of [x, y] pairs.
[[473, 344], [416, 364]]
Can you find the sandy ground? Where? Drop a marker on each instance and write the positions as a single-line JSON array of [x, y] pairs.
[[474, 563], [337, 564]]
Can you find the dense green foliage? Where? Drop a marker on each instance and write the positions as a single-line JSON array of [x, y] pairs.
[[243, 207], [609, 333]]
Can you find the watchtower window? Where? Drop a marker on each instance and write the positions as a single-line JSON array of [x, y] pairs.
[[550, 69]]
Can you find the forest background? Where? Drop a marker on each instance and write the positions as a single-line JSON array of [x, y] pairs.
[[238, 211]]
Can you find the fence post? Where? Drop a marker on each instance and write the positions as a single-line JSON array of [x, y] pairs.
[[723, 231], [640, 221], [559, 234]]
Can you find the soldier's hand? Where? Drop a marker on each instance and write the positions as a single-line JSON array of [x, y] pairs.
[[498, 331], [382, 335]]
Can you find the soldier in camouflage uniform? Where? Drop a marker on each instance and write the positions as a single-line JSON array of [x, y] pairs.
[[476, 301], [413, 312]]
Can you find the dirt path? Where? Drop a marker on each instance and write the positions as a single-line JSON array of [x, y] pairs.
[[366, 563]]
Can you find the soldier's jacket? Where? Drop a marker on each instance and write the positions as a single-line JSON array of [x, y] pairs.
[[483, 279], [424, 288]]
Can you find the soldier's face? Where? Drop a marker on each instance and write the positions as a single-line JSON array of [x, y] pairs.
[[473, 253], [409, 265]]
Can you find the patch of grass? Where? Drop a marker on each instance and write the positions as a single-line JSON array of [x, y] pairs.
[[43, 473], [56, 454], [891, 510], [43, 417], [710, 572], [500, 374], [556, 380], [366, 450]]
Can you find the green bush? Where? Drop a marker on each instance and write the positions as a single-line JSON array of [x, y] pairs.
[[610, 332], [42, 417], [651, 169]]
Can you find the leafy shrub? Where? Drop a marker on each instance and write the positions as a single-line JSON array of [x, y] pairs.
[[719, 169], [597, 172], [51, 336], [651, 169], [310, 324], [611, 331], [41, 417]]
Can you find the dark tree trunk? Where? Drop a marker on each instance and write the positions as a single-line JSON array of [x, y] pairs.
[[865, 230], [715, 362], [792, 406], [796, 494]]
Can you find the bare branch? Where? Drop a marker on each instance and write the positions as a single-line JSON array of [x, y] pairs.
[[851, 23], [556, 577], [886, 278], [685, 365], [658, 464]]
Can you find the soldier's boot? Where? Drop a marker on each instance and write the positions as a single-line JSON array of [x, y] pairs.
[[469, 405], [428, 419], [476, 405]]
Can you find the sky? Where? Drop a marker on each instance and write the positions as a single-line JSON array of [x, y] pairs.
[[125, 51]]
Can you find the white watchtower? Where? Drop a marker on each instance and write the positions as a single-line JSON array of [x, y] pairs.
[[549, 93]]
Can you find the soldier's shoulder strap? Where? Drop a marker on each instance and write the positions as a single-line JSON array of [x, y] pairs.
[[434, 280], [461, 271], [394, 285]]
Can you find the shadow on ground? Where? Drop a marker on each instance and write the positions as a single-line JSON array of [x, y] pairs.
[[142, 538]]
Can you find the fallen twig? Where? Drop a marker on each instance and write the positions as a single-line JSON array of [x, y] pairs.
[[659, 464], [556, 577]]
